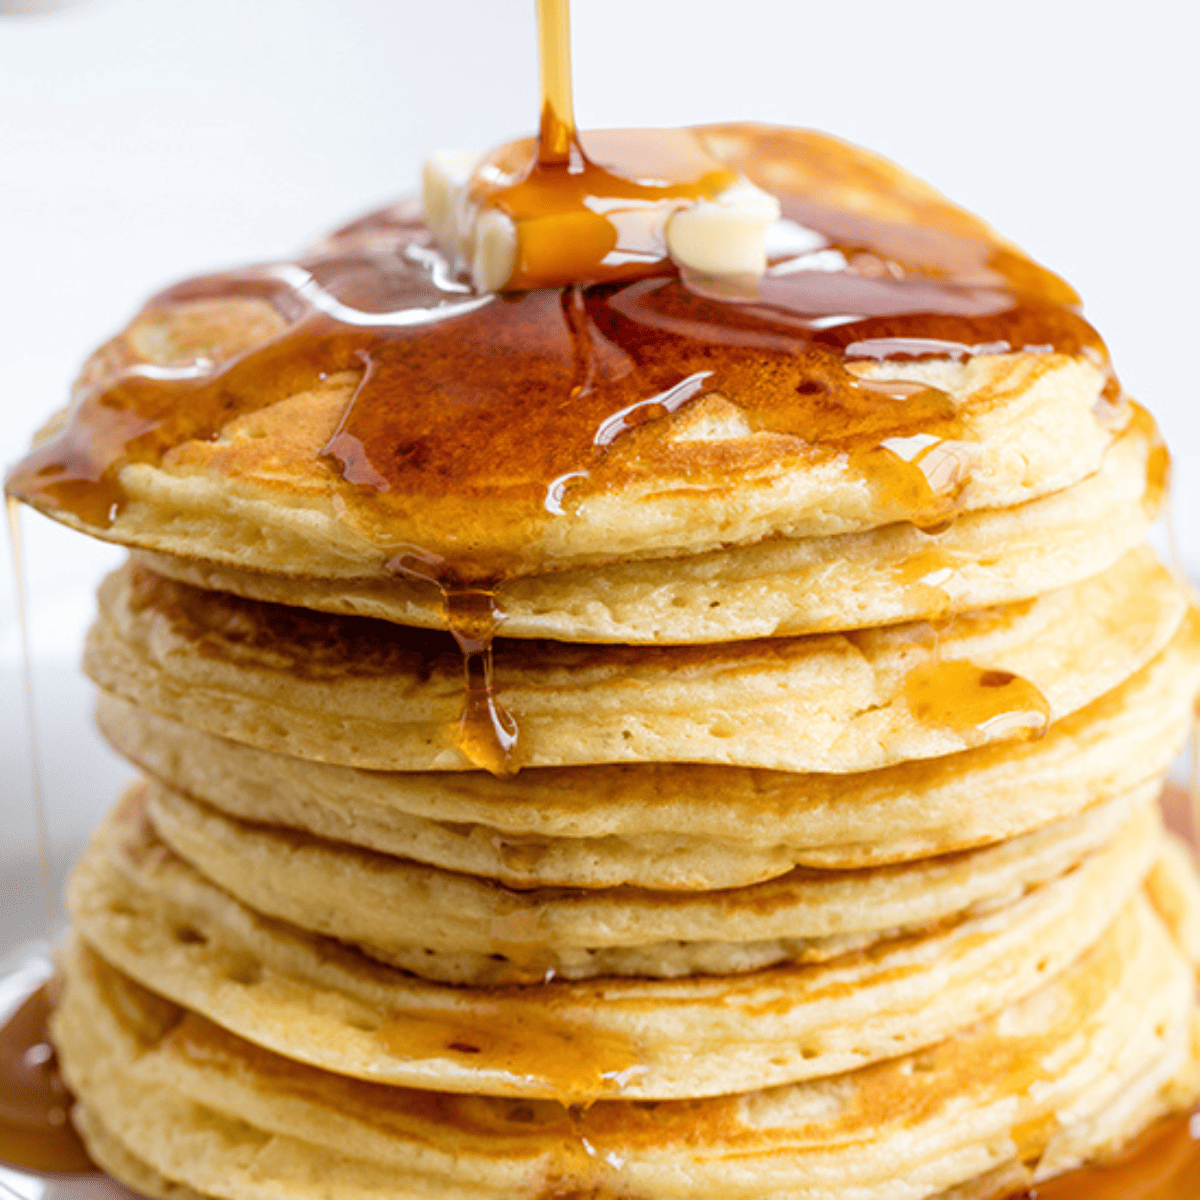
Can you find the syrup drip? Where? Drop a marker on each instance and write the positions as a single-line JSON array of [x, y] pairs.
[[980, 705], [35, 1131], [487, 730], [925, 573]]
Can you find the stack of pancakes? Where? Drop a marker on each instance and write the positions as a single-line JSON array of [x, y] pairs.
[[833, 868]]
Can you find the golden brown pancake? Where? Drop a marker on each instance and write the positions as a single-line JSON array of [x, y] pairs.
[[690, 827], [316, 1001], [843, 675], [373, 694], [456, 928], [780, 586], [1072, 1071]]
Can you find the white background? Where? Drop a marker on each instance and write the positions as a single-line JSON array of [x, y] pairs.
[[142, 140]]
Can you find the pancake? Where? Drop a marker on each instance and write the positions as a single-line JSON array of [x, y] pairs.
[[806, 425], [372, 694], [458, 929], [316, 1001], [781, 586], [672, 826], [219, 1115]]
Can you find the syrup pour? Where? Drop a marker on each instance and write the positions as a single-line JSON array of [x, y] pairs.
[[590, 206], [557, 130]]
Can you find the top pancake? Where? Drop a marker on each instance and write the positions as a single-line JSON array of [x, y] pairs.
[[781, 586], [327, 418]]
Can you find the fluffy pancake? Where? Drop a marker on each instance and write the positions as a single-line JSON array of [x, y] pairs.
[[783, 586], [1075, 1069], [671, 826], [777, 437], [458, 929], [316, 1001], [372, 694], [261, 496]]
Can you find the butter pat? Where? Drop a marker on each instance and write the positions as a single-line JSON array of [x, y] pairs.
[[444, 179], [493, 244], [726, 235], [597, 225]]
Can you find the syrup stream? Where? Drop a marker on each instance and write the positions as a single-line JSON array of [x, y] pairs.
[[557, 131]]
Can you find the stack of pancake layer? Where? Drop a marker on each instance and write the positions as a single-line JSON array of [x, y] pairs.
[[833, 868]]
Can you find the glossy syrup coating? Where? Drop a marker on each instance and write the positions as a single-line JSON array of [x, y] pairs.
[[467, 401], [525, 399]]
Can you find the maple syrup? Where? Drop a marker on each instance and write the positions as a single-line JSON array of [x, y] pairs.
[[12, 508], [36, 1133], [978, 704], [35, 1130], [464, 398], [562, 1061], [487, 730], [557, 129], [1163, 1164]]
